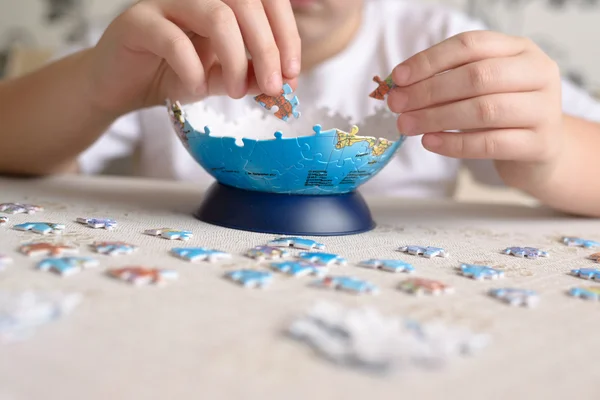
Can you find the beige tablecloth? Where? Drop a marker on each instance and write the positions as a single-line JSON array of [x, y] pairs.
[[202, 337]]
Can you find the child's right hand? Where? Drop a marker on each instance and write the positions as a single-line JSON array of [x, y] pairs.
[[189, 49]]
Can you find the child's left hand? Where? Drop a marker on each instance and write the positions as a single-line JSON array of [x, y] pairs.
[[502, 92]]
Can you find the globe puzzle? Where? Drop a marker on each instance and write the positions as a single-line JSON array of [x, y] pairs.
[[323, 162]]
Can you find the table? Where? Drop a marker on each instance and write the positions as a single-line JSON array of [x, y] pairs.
[[203, 337]]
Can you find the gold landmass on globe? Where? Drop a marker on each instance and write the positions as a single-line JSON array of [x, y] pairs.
[[377, 146]]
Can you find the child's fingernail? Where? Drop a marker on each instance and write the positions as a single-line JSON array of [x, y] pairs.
[[293, 66], [432, 141], [400, 74]]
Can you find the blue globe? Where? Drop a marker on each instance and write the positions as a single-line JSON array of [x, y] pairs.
[[326, 162]]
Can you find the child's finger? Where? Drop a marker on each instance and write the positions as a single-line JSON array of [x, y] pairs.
[[489, 76], [497, 144], [464, 48], [260, 42], [215, 20], [283, 24], [504, 110], [166, 40]]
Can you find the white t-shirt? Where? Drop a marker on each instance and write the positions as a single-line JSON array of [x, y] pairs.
[[391, 31]]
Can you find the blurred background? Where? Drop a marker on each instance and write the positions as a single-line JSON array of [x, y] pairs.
[[31, 31]]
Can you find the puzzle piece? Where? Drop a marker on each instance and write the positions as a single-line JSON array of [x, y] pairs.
[[97, 223], [67, 266], [19, 208], [250, 278], [43, 228], [283, 105], [113, 248], [388, 265], [323, 258], [169, 233], [47, 249], [586, 273], [299, 268], [427, 252], [526, 252], [383, 88], [138, 276], [262, 253], [21, 313], [588, 244], [297, 242], [3, 220], [480, 272], [515, 296], [586, 292], [419, 286], [595, 257], [199, 254], [4, 261], [347, 284]]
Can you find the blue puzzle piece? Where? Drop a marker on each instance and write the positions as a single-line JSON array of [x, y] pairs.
[[199, 254], [526, 252], [480, 272], [170, 234], [67, 265], [299, 268], [250, 278], [323, 258], [97, 223], [388, 265], [43, 228], [113, 248], [347, 284], [515, 296], [586, 273], [427, 252], [588, 244], [586, 292], [262, 253], [297, 242]]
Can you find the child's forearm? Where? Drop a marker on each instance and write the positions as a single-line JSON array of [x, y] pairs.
[[47, 118], [573, 185]]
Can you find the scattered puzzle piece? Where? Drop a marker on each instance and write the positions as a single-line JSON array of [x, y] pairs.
[[199, 254], [595, 257], [515, 296], [588, 244], [97, 223], [586, 273], [21, 313], [419, 286], [296, 242], [4, 261], [526, 252], [427, 252], [67, 266], [283, 107], [250, 278], [262, 253], [480, 272], [46, 249], [19, 208], [299, 268], [113, 248], [169, 233], [138, 276], [388, 265], [43, 228], [586, 292], [383, 88], [3, 221], [323, 258], [347, 284]]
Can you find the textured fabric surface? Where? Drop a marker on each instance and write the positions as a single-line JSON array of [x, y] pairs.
[[202, 337]]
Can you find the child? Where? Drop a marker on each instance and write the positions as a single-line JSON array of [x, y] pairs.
[[519, 124]]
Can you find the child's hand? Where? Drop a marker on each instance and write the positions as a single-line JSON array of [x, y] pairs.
[[501, 91], [190, 49]]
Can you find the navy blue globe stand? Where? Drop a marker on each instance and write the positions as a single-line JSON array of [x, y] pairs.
[[285, 214]]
